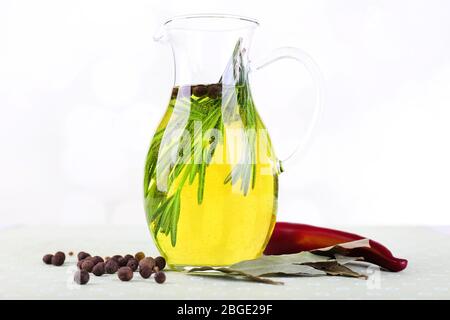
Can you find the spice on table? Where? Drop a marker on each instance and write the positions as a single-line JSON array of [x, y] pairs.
[[139, 256], [122, 262], [87, 265], [160, 262], [82, 255], [81, 277], [128, 257], [97, 259], [111, 266], [133, 264], [99, 269], [145, 271], [292, 238], [125, 274], [58, 259], [99, 266], [62, 254], [47, 258], [160, 277], [147, 261]]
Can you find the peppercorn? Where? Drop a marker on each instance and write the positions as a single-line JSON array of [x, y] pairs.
[[148, 261], [107, 258], [139, 256], [116, 257], [145, 272], [81, 277], [160, 277], [199, 90], [97, 259], [214, 90], [160, 262], [128, 257], [99, 269], [47, 258], [174, 92], [58, 259], [122, 262], [62, 254], [82, 255], [79, 263], [111, 266], [132, 264], [70, 253], [125, 274], [87, 265]]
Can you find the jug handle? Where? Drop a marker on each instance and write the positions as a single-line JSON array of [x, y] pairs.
[[317, 78]]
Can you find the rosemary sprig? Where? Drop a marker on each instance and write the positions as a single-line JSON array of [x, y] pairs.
[[163, 207]]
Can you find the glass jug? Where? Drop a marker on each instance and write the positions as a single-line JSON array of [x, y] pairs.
[[211, 174]]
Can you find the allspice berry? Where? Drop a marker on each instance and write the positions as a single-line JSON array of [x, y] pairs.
[[62, 254], [58, 259], [199, 90], [81, 277], [87, 265], [160, 262], [145, 272], [125, 274], [160, 277], [128, 257], [99, 269], [97, 259], [122, 262], [132, 264], [174, 92], [214, 90], [82, 255], [139, 256], [147, 261], [79, 263], [47, 258], [111, 266]]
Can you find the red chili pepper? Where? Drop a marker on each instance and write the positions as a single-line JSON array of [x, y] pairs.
[[293, 237]]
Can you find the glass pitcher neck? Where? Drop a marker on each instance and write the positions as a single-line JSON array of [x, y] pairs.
[[203, 45]]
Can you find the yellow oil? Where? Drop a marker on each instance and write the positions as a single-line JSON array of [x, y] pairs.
[[228, 226]]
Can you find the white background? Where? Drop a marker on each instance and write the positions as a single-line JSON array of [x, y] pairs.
[[82, 87]]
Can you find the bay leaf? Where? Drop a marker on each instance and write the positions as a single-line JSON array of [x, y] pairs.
[[320, 262], [333, 268], [286, 264], [232, 272]]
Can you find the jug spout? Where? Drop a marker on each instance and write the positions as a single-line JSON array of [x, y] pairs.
[[202, 44]]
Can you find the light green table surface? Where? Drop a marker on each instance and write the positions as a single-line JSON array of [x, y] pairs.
[[24, 276]]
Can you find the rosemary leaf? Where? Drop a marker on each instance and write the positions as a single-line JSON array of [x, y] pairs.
[[176, 216], [201, 182], [234, 273]]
